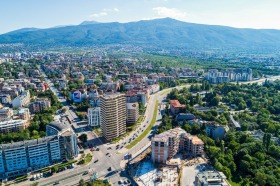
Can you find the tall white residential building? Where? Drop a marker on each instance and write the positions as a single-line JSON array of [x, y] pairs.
[[113, 115], [21, 100], [94, 116]]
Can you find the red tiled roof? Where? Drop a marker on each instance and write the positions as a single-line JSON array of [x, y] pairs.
[[176, 103]]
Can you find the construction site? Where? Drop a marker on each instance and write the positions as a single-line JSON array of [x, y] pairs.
[[148, 175]]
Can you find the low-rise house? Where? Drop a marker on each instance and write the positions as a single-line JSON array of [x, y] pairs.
[[208, 178], [176, 106], [184, 117], [216, 131]]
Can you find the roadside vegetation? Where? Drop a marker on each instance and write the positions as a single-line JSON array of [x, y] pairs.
[[146, 132]]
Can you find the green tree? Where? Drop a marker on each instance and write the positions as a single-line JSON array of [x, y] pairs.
[[54, 169], [83, 138]]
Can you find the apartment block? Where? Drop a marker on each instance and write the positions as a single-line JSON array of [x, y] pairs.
[[21, 100], [215, 76], [167, 144], [12, 126], [94, 116], [22, 157], [113, 115], [39, 106], [132, 113], [6, 114], [24, 114]]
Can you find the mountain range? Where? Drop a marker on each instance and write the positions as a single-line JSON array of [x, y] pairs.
[[165, 32]]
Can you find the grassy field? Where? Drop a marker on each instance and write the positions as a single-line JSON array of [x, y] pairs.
[[148, 129]]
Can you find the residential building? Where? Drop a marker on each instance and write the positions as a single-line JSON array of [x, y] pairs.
[[25, 156], [208, 178], [67, 140], [176, 106], [215, 76], [6, 114], [21, 100], [24, 114], [39, 106], [12, 126], [94, 116], [216, 131], [132, 113], [113, 115], [184, 117], [167, 144]]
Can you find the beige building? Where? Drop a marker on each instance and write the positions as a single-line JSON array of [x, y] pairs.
[[39, 106], [113, 115], [167, 144], [24, 114], [12, 126], [6, 113], [132, 113]]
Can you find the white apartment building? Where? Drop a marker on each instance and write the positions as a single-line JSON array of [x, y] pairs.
[[94, 116], [113, 115], [21, 100]]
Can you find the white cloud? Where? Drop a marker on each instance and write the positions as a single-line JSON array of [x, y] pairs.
[[116, 9], [100, 14], [169, 12], [104, 12], [111, 10]]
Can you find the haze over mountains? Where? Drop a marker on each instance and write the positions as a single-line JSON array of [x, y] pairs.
[[166, 32]]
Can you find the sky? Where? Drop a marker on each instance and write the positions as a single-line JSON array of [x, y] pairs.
[[16, 14]]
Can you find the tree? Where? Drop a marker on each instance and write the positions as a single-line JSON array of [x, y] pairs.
[[54, 169], [82, 182], [260, 178], [83, 138], [215, 101]]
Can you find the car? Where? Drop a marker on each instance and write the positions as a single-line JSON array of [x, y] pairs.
[[56, 183], [109, 148], [120, 182], [85, 173], [107, 153], [95, 161], [110, 155]]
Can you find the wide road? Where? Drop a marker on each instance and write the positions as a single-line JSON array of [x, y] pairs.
[[108, 155]]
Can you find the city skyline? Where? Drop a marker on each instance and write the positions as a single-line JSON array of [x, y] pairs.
[[45, 14]]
